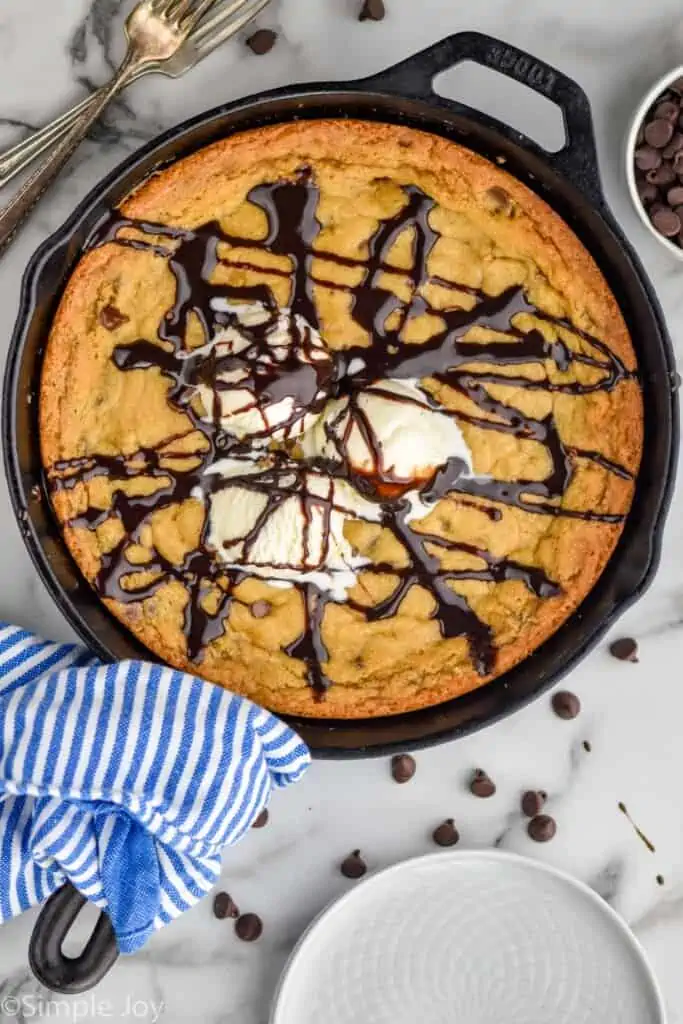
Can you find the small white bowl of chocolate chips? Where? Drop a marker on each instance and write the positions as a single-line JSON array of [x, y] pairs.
[[654, 161]]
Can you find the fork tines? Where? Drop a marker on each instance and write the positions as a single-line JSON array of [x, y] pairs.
[[228, 19]]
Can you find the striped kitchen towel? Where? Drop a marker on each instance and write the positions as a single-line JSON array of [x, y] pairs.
[[127, 780]]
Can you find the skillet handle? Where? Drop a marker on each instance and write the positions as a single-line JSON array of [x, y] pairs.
[[64, 974], [577, 160]]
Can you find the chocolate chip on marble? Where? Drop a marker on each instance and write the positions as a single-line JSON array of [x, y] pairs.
[[403, 767], [658, 133], [249, 927], [224, 906], [542, 828], [625, 649], [481, 785], [372, 10], [353, 866], [647, 158], [587, 746], [262, 41], [446, 834], [260, 609], [566, 705], [262, 820], [660, 879], [532, 802], [112, 318]]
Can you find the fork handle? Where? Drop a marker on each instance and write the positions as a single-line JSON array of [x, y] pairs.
[[16, 159], [12, 216]]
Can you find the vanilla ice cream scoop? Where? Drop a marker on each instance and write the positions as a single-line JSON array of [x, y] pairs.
[[285, 523], [389, 432], [265, 376]]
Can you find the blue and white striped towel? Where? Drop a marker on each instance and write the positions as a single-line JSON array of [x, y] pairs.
[[126, 779]]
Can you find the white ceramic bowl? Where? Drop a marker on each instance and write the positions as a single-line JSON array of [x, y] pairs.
[[473, 936], [657, 89]]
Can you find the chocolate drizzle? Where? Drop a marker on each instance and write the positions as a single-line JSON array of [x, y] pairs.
[[466, 367]]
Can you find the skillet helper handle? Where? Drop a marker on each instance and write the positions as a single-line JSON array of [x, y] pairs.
[[577, 160], [59, 973]]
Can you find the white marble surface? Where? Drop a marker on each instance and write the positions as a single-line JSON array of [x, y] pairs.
[[632, 713]]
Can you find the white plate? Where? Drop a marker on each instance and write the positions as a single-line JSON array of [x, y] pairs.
[[478, 937]]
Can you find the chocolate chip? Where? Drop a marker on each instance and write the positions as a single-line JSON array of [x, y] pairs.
[[446, 834], [249, 927], [372, 10], [667, 222], [658, 133], [501, 201], [403, 767], [673, 147], [262, 819], [260, 609], [675, 196], [667, 110], [647, 191], [660, 879], [587, 746], [262, 41], [481, 785], [224, 906], [353, 866], [542, 828], [625, 649], [566, 705], [532, 802], [647, 158], [662, 175], [112, 318]]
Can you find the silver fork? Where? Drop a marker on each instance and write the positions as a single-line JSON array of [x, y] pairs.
[[167, 36], [203, 41]]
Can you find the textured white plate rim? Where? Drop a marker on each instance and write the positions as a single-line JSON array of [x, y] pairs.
[[500, 856], [660, 86]]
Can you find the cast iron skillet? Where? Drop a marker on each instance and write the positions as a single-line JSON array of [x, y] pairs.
[[569, 181]]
